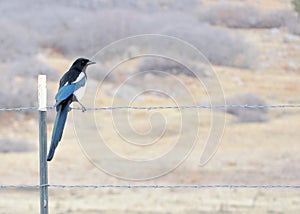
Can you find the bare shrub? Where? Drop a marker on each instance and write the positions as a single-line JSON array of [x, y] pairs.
[[97, 72], [164, 65], [84, 27], [30, 67], [6, 82], [21, 92], [229, 15], [148, 6], [16, 41], [17, 92], [119, 23], [25, 94], [294, 26], [81, 28], [8, 145], [246, 115], [216, 43], [244, 16]]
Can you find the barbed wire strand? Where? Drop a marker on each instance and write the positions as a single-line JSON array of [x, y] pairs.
[[225, 186], [19, 108], [230, 186], [163, 107]]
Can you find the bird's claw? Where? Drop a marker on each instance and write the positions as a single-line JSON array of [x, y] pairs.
[[83, 109]]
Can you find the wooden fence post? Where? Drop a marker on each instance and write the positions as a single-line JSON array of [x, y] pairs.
[[42, 99]]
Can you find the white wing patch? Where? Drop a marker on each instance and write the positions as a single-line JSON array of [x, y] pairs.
[[80, 76]]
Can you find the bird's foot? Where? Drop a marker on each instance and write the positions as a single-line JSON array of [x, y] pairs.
[[83, 109]]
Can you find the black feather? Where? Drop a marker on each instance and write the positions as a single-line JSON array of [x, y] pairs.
[[59, 124]]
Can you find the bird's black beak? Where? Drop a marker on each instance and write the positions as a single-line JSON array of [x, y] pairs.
[[90, 62]]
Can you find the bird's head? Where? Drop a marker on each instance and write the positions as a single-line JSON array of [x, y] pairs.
[[82, 63]]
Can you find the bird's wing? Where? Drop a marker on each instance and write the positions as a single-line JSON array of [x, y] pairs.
[[64, 92], [67, 90]]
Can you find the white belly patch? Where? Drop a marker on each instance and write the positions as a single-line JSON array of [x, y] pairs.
[[79, 93]]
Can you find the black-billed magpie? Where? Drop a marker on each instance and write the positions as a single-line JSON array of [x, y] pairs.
[[71, 88]]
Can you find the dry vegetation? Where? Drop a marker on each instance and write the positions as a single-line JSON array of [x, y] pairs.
[[254, 48]]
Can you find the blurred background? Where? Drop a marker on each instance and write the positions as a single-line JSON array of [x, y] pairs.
[[253, 46]]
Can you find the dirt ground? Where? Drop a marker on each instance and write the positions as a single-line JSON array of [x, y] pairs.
[[249, 154]]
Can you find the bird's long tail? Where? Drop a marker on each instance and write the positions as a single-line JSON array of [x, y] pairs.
[[59, 124]]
